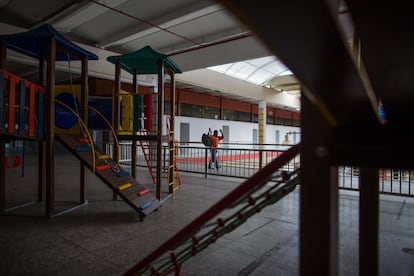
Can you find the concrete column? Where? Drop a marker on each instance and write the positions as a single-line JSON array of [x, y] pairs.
[[369, 222], [262, 122], [318, 195]]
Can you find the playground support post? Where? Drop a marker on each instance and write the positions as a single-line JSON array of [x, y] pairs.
[[171, 133], [116, 114], [84, 117], [134, 141], [2, 177], [159, 123], [50, 126]]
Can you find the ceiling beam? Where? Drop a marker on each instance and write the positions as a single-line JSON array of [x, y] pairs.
[[308, 40], [81, 13], [138, 32]]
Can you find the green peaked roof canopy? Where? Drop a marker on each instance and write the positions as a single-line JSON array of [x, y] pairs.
[[144, 61]]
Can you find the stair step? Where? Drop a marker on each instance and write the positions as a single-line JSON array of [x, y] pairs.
[[121, 174], [84, 140], [104, 156], [103, 167], [145, 205], [124, 186], [83, 149], [143, 192]]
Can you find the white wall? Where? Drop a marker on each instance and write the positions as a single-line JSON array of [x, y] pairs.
[[240, 132]]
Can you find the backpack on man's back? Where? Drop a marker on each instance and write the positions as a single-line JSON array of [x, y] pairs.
[[205, 139]]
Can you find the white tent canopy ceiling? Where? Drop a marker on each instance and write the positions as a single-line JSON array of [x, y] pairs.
[[196, 34]]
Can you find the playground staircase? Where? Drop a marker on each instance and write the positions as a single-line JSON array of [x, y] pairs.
[[122, 184]]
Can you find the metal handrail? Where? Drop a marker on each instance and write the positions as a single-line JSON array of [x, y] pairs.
[[85, 128], [257, 180], [112, 129]]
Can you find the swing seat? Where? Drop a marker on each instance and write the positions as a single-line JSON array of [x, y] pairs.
[[16, 162]]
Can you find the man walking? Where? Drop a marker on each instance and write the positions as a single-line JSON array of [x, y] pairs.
[[215, 140]]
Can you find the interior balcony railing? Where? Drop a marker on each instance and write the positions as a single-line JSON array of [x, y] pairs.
[[244, 160]]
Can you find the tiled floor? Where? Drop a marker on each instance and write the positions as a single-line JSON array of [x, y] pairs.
[[104, 237]]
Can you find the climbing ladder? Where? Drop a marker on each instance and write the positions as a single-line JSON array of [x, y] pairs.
[[114, 176], [174, 180], [146, 150]]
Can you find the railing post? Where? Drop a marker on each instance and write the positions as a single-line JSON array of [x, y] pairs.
[[260, 159], [205, 162], [2, 177]]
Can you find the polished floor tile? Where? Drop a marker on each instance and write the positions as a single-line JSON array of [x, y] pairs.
[[105, 237]]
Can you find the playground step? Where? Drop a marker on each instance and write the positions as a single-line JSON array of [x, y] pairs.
[[145, 205], [83, 149], [84, 140], [122, 174], [103, 156], [124, 186], [143, 192], [103, 167]]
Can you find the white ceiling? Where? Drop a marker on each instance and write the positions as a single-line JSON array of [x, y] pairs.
[[195, 33], [174, 27]]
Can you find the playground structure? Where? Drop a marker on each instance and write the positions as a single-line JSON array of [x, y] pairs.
[[146, 61], [38, 113], [34, 112], [33, 117]]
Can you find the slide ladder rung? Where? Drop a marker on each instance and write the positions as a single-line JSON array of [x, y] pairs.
[[104, 156], [143, 192], [84, 140], [83, 149], [103, 167], [124, 186], [145, 205], [122, 174]]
